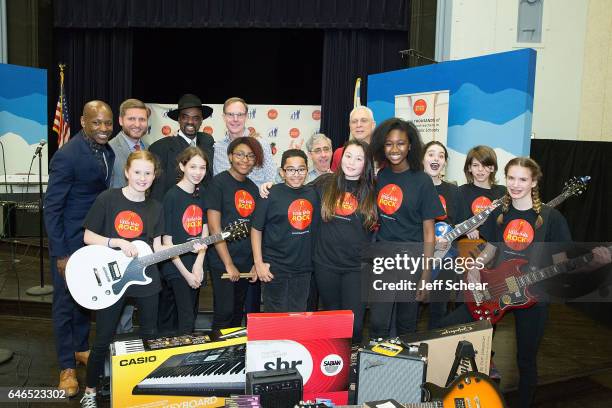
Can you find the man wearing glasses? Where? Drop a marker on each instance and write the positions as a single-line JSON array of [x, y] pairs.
[[234, 115], [319, 149]]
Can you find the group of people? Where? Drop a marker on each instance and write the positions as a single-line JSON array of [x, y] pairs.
[[307, 231]]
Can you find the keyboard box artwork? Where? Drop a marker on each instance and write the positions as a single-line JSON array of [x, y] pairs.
[[196, 375], [317, 344], [442, 345]]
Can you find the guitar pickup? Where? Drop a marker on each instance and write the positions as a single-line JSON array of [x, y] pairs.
[[114, 270]]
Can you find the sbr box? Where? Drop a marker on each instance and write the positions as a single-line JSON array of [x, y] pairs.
[[317, 344]]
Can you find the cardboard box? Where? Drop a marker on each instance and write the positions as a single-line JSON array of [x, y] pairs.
[[442, 344], [317, 344]]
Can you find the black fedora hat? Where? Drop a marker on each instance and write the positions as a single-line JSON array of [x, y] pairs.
[[190, 101]]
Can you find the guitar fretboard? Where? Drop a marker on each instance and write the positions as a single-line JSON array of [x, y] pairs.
[[178, 250], [469, 224], [548, 272]]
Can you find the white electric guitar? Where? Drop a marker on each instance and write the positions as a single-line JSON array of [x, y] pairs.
[[97, 276]]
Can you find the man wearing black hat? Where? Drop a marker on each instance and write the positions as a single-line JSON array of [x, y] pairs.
[[189, 114]]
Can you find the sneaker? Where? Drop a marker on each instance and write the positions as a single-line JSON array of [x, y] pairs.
[[89, 400]]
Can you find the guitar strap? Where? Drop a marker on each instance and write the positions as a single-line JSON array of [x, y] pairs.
[[542, 232]]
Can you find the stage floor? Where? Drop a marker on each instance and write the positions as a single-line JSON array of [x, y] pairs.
[[575, 359]]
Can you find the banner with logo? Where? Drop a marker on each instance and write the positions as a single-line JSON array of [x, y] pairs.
[[428, 111], [282, 126]]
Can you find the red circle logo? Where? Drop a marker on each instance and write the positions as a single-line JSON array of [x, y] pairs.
[[294, 132], [208, 129], [244, 202], [166, 130], [443, 202], [192, 220], [272, 114], [419, 107], [479, 204], [316, 115], [251, 130], [299, 214], [518, 234], [347, 206], [128, 224], [390, 198]]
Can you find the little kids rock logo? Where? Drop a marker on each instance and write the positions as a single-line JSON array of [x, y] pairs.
[[128, 224], [419, 107], [192, 220], [244, 202], [300, 214], [518, 234], [390, 198], [479, 204], [347, 206]]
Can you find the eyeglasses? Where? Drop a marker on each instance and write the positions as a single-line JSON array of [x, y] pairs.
[[292, 171], [242, 155], [320, 150], [234, 115]]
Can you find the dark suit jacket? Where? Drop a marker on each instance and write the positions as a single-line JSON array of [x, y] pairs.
[[75, 180], [167, 149]]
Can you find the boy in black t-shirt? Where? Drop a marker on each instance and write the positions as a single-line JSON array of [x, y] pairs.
[[281, 237]]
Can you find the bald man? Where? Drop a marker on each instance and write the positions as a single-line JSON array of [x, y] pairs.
[[361, 126], [78, 172]]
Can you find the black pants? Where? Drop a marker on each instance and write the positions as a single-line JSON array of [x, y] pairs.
[[341, 290], [186, 300], [168, 317], [228, 300], [286, 293], [106, 322], [529, 330]]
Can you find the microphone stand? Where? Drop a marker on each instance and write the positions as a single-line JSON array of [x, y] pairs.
[[42, 289]]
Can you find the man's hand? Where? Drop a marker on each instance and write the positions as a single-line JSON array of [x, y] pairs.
[[263, 272], [61, 266], [264, 189]]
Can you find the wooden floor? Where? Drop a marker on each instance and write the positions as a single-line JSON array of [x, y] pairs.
[[575, 359]]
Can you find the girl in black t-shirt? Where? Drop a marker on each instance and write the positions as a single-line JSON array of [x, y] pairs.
[[481, 189], [117, 217], [232, 196], [186, 220], [407, 206], [348, 217], [435, 157]]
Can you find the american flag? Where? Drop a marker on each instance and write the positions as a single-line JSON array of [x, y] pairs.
[[61, 123]]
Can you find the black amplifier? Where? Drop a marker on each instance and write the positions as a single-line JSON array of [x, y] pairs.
[[7, 219], [276, 388]]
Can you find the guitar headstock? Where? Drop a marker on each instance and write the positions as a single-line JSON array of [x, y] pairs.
[[237, 230], [576, 186]]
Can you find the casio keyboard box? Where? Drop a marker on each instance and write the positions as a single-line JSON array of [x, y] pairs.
[[442, 344], [178, 371], [317, 344]]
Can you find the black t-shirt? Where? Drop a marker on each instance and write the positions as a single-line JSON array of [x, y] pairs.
[[288, 219], [404, 201], [340, 241], [517, 236], [451, 201], [114, 216], [477, 198], [236, 200], [185, 217]]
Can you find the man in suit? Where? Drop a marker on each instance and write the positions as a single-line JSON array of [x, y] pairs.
[[78, 172], [134, 121], [189, 115]]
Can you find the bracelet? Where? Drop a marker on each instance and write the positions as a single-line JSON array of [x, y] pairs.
[[108, 243]]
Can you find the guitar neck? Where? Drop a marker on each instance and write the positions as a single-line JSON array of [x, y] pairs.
[[469, 224], [553, 270], [177, 250], [558, 200]]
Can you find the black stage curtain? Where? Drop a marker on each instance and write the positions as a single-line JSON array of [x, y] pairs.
[[347, 55], [99, 66], [588, 215], [354, 14]]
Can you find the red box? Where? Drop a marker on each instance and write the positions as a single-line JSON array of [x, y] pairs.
[[318, 344]]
